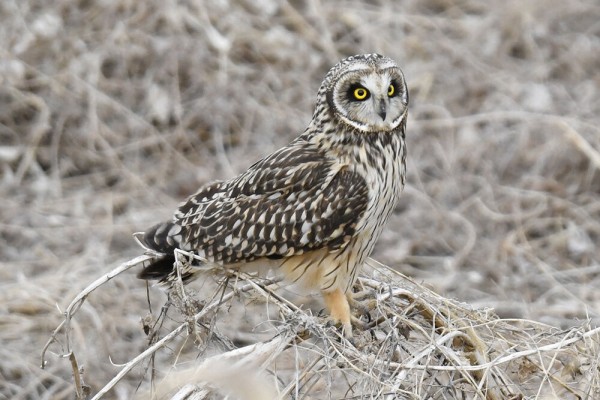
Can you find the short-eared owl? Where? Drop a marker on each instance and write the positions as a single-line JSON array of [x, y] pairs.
[[314, 208]]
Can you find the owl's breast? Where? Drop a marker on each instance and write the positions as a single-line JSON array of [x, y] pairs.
[[385, 176]]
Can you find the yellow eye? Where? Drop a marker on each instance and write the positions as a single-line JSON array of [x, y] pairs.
[[391, 90], [361, 93]]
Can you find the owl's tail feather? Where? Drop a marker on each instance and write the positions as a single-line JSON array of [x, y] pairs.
[[159, 239], [158, 270]]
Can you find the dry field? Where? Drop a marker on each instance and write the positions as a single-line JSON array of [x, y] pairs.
[[111, 112]]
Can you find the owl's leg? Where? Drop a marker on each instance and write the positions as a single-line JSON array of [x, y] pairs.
[[339, 309]]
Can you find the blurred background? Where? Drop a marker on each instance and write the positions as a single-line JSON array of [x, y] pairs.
[[112, 112]]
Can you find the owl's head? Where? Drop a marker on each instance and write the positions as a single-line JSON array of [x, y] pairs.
[[367, 92]]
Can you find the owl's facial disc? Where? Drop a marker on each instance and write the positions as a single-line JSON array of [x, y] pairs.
[[370, 98]]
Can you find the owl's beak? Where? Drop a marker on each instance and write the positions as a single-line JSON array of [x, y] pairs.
[[381, 110]]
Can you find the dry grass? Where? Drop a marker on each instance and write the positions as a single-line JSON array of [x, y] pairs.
[[112, 112], [418, 344]]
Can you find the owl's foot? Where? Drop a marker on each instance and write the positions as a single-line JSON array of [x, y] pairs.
[[339, 310], [363, 302], [340, 304]]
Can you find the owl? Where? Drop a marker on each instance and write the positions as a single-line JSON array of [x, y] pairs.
[[312, 210]]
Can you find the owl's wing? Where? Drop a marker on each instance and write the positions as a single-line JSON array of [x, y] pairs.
[[288, 203]]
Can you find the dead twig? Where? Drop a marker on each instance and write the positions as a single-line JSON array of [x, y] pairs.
[[78, 301]]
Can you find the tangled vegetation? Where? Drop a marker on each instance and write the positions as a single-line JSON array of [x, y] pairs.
[[112, 112]]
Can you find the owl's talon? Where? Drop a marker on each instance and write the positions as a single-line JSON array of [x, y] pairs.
[[360, 324], [364, 307], [339, 327]]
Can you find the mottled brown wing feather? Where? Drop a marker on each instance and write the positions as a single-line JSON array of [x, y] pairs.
[[288, 203]]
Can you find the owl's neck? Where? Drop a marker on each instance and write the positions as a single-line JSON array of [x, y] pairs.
[[354, 147]]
